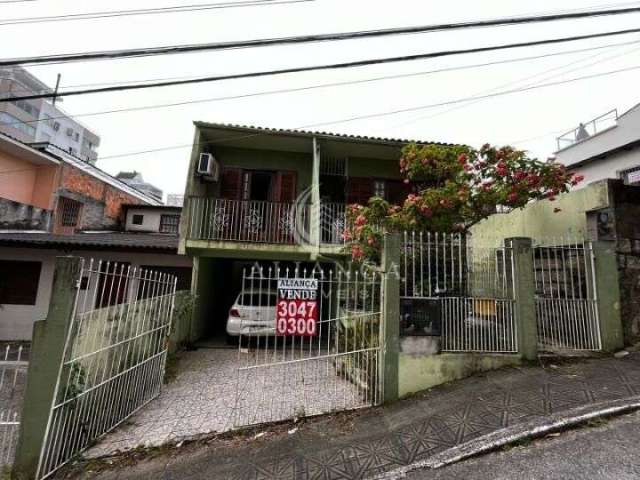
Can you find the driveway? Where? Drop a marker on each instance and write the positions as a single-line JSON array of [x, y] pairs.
[[214, 389]]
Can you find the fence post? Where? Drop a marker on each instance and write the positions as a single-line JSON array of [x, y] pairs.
[[47, 352], [391, 314], [606, 284], [524, 296]]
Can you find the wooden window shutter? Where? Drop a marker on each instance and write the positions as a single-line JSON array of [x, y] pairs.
[[231, 183], [359, 190], [285, 190]]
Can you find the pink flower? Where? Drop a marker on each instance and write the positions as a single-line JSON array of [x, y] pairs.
[[512, 197], [360, 220]]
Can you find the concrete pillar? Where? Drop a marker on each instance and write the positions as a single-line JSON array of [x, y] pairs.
[[314, 226], [524, 295], [47, 354], [607, 294], [390, 334]]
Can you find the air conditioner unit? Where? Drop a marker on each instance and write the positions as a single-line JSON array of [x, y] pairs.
[[208, 167]]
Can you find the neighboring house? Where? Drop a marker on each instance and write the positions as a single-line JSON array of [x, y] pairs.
[[44, 188], [165, 219], [27, 261], [607, 147], [38, 120], [135, 180], [257, 194]]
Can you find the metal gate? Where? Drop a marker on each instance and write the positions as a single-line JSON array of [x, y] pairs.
[[13, 375], [466, 291], [566, 297], [114, 356], [293, 364]]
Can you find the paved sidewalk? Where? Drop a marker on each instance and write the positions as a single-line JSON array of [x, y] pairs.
[[356, 446]]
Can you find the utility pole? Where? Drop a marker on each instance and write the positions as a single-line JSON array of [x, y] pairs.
[[55, 92]]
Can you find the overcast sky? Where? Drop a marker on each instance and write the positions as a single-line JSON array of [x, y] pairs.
[[532, 119]]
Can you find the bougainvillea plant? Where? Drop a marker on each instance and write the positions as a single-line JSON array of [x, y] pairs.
[[452, 187]]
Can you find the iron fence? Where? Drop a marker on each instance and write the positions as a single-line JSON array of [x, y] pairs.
[[566, 297], [338, 366], [114, 356], [471, 288], [13, 376], [246, 220]]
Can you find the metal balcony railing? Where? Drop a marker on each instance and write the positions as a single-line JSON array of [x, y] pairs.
[[246, 220], [332, 223], [588, 129]]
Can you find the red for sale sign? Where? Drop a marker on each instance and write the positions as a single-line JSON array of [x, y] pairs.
[[297, 307]]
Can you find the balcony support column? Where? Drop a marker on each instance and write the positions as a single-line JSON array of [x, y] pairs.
[[314, 225]]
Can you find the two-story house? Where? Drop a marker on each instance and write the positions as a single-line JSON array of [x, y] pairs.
[[54, 204], [268, 195]]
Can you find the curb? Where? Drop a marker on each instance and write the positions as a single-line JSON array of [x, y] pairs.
[[531, 429]]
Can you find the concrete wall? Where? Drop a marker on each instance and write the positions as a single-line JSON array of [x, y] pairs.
[[16, 321], [539, 221], [26, 182], [20, 216], [150, 220], [421, 372], [608, 167]]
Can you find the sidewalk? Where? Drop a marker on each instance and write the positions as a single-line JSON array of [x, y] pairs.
[[362, 444]]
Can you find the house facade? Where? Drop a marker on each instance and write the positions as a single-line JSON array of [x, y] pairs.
[[267, 195], [53, 204], [607, 147], [42, 187]]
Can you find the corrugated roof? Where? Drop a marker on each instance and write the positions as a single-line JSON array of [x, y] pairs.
[[114, 240], [312, 133]]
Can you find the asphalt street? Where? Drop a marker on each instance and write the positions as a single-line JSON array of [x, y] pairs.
[[609, 451]]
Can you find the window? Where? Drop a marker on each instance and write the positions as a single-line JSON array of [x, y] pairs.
[[137, 219], [69, 211], [19, 282], [379, 188], [631, 176], [27, 107], [169, 223], [13, 122]]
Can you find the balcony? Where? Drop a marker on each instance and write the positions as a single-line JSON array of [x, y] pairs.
[[221, 220], [587, 130]]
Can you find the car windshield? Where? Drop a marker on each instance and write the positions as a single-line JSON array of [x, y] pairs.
[[257, 299]]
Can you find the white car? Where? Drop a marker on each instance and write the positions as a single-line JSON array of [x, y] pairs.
[[253, 314]]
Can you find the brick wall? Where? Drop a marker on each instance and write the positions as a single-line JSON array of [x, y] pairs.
[[102, 203]]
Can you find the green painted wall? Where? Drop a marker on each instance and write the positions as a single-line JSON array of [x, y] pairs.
[[420, 372], [538, 220], [375, 168], [301, 163]]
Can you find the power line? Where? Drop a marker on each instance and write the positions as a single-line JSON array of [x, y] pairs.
[[147, 11], [386, 113], [323, 85], [529, 77], [173, 49], [334, 66], [497, 62]]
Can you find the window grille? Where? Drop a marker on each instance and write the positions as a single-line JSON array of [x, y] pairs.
[[169, 223], [69, 212], [631, 176]]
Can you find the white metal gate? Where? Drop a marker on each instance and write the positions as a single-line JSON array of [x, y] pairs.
[[13, 375], [114, 356], [471, 287], [334, 365], [566, 297]]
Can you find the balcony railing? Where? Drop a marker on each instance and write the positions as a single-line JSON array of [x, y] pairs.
[[588, 129], [246, 220], [263, 222], [332, 223]]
